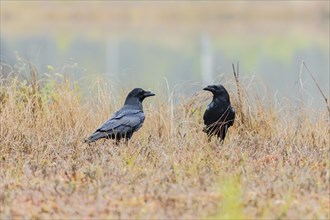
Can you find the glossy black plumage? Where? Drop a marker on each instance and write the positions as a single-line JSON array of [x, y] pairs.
[[219, 115], [125, 121]]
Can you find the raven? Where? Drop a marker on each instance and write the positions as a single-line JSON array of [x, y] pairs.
[[125, 121], [219, 115]]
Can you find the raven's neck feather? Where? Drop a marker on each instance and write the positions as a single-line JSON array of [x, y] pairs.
[[221, 99], [134, 103]]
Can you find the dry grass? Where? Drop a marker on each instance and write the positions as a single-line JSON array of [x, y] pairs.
[[274, 165]]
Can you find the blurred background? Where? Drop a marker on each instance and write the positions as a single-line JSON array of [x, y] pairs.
[[140, 44]]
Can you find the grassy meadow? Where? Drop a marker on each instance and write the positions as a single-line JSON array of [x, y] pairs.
[[274, 162]]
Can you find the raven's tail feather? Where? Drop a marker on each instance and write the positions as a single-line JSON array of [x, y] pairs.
[[94, 137]]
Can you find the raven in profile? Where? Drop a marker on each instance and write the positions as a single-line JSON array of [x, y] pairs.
[[125, 121], [219, 115]]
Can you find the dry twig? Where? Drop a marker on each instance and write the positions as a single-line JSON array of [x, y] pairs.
[[236, 75], [318, 86]]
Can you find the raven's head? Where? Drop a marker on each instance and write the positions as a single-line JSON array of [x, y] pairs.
[[139, 94], [218, 91]]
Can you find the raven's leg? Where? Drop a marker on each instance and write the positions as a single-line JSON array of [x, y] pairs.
[[209, 138], [128, 136], [117, 137], [219, 139], [117, 141], [219, 133], [208, 132], [222, 134]]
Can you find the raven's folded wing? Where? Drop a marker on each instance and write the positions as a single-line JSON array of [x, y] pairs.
[[122, 123], [123, 118]]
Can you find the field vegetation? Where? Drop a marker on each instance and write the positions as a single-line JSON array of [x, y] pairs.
[[274, 162]]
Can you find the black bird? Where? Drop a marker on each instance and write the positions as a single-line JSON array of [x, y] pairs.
[[125, 121], [219, 115]]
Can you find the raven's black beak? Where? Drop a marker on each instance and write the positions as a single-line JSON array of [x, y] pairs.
[[209, 88], [147, 94]]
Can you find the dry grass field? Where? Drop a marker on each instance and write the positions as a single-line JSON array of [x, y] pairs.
[[273, 164]]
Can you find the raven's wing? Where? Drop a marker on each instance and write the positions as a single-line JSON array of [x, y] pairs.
[[214, 112], [124, 117], [124, 121]]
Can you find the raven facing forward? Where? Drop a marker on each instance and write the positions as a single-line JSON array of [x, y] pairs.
[[219, 115], [125, 121]]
